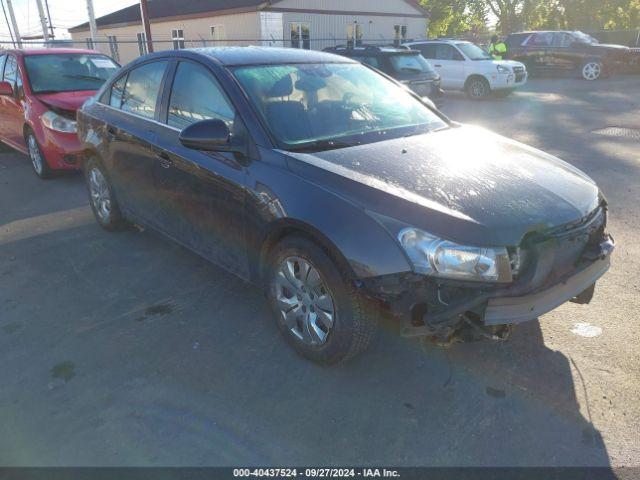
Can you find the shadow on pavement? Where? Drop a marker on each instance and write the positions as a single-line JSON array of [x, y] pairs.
[[167, 360]]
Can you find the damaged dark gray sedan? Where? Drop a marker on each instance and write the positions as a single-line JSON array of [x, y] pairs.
[[343, 194]]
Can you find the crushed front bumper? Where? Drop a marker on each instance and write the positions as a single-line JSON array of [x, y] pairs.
[[512, 310], [429, 307]]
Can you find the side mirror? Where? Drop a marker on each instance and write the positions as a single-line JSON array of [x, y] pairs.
[[210, 135], [207, 135], [6, 89]]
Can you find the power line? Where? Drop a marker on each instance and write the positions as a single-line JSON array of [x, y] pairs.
[[8, 25]]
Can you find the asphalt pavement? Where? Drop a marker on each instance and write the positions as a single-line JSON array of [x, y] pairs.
[[126, 349]]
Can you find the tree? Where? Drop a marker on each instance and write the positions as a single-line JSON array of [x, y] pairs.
[[450, 18]]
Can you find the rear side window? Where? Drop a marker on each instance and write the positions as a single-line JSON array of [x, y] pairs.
[[3, 58], [196, 96], [11, 70], [427, 50], [373, 61], [142, 88], [117, 90], [410, 64], [541, 39]]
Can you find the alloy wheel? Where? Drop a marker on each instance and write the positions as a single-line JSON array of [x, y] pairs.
[[305, 303], [35, 155], [591, 71], [100, 195], [478, 89]]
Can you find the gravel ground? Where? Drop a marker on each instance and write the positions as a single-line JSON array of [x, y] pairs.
[[125, 349]]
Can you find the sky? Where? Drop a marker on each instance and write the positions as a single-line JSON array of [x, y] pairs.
[[64, 14]]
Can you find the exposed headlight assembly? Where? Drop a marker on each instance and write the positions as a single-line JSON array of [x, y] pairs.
[[502, 69], [436, 257], [58, 123]]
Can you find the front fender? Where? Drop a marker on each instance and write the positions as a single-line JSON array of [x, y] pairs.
[[292, 203]]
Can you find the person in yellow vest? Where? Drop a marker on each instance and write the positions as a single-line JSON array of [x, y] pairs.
[[497, 48]]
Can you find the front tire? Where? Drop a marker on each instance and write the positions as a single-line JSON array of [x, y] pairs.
[[101, 197], [592, 70], [318, 309], [38, 160], [477, 88]]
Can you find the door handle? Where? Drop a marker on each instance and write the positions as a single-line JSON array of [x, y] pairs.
[[437, 65], [165, 161]]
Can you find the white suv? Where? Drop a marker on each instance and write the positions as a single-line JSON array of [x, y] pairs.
[[465, 66]]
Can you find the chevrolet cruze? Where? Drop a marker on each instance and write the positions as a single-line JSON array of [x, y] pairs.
[[343, 194]]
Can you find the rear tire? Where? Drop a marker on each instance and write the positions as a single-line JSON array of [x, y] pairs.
[[38, 160], [477, 88], [101, 197], [317, 307]]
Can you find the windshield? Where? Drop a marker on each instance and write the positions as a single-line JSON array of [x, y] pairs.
[[473, 52], [68, 72], [410, 63], [322, 106], [584, 38]]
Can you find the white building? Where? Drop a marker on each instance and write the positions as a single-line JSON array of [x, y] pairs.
[[313, 24]]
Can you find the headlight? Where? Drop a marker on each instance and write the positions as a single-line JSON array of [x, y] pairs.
[[502, 69], [58, 123], [433, 256]]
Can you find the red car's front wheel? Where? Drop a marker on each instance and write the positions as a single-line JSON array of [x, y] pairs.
[[39, 163]]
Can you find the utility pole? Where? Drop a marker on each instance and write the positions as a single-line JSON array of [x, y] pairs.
[[46, 4], [144, 13], [8, 24], [43, 22], [12, 16], [92, 22]]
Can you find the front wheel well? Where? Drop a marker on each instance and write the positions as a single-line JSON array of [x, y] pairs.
[[475, 76], [278, 234]]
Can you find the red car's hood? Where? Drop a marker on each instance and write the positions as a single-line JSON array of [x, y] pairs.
[[71, 101]]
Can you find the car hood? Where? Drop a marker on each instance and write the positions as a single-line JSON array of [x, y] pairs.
[[610, 46], [504, 63], [70, 101], [465, 184]]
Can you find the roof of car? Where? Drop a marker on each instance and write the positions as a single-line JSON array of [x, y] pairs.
[[51, 51], [254, 55], [437, 40], [542, 31], [368, 49]]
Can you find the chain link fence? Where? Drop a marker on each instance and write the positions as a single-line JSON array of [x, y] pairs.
[[126, 50]]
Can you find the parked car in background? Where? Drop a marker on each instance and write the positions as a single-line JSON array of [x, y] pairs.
[[406, 66], [565, 51], [40, 91], [464, 66], [342, 194]]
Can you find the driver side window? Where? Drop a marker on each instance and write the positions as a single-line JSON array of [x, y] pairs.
[[195, 96], [11, 70], [447, 52], [562, 40], [541, 40]]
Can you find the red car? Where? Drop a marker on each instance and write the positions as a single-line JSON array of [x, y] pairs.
[[40, 91]]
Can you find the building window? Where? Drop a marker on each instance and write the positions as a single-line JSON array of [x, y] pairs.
[[142, 43], [113, 47], [354, 34], [400, 34], [177, 36], [218, 34], [89, 42], [300, 37]]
